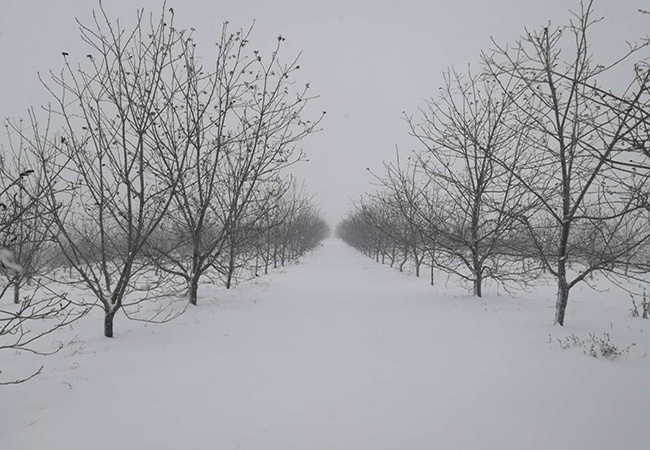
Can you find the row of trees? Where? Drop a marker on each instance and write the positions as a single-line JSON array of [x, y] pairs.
[[528, 167], [152, 171]]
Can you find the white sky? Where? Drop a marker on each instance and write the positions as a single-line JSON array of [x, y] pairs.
[[368, 60]]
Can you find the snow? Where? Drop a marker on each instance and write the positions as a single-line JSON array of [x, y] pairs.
[[339, 352]]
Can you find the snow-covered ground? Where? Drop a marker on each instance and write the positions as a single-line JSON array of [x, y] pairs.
[[339, 352]]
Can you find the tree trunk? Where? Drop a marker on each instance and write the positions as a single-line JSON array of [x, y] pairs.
[[194, 290], [478, 284], [562, 301], [476, 264], [231, 267], [418, 262], [477, 268], [562, 285], [401, 266], [16, 292], [231, 270], [108, 323]]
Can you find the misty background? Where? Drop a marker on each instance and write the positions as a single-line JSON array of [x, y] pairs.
[[369, 61]]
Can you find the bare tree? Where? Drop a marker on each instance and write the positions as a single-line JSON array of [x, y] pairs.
[[590, 212], [112, 106], [42, 308], [396, 218], [476, 200], [29, 237], [240, 125]]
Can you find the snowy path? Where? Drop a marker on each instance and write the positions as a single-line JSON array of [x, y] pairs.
[[337, 352]]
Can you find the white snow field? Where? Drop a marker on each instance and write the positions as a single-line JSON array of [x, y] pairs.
[[339, 352]]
